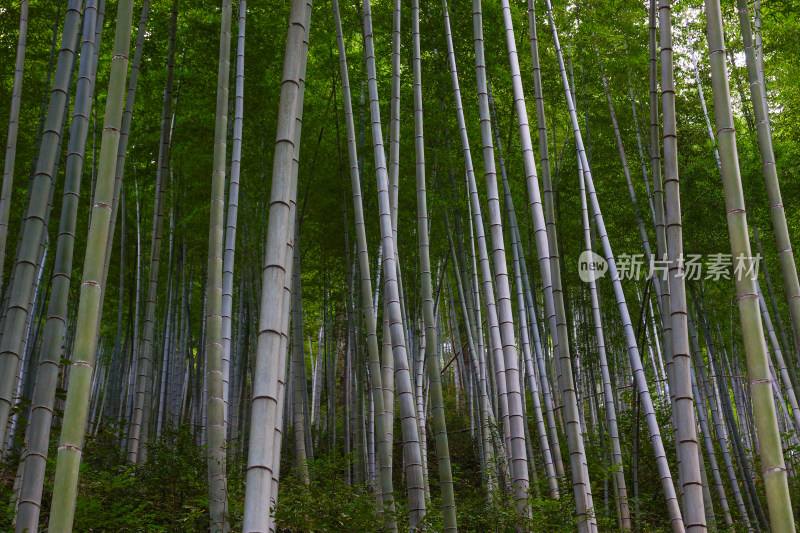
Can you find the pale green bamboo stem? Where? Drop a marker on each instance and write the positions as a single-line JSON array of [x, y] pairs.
[[407, 411], [513, 418], [608, 393], [769, 444], [33, 226], [383, 443], [215, 427], [632, 348], [139, 426], [265, 379], [681, 382], [88, 320], [232, 214], [776, 209], [38, 436], [430, 333]]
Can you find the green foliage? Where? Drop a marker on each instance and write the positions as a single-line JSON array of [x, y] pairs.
[[326, 504], [168, 493]]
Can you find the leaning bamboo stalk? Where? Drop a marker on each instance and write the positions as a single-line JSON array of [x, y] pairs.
[[658, 193], [479, 380], [546, 244], [298, 368], [719, 429], [772, 462], [522, 309], [784, 342], [33, 227], [232, 213], [38, 436], [127, 118], [283, 349], [630, 337], [139, 425], [431, 345], [702, 419], [13, 129], [382, 442], [513, 418], [608, 393], [776, 349], [265, 383], [681, 382], [477, 234], [776, 209], [730, 426], [88, 320], [408, 419]]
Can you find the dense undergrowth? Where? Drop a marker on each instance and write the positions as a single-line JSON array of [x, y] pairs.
[[169, 493]]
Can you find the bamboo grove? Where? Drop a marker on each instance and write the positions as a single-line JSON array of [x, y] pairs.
[[592, 323]]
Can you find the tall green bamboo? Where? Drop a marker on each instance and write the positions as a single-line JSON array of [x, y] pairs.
[[62, 509], [769, 444], [217, 479], [299, 412], [38, 436], [632, 348], [265, 380], [486, 416], [549, 265], [779, 359], [523, 291], [544, 157], [777, 212], [499, 445], [383, 444], [232, 214], [513, 418], [293, 230], [681, 381], [408, 419], [139, 424], [127, 118], [658, 193], [11, 141], [429, 320], [18, 308], [609, 399]]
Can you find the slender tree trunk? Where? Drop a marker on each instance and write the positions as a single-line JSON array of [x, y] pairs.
[[608, 394], [260, 468], [232, 216], [777, 213], [140, 420], [520, 272], [681, 383], [630, 337], [38, 437], [298, 368], [513, 418], [88, 320], [34, 228], [411, 447], [772, 462], [431, 336], [217, 478], [776, 348], [13, 128]]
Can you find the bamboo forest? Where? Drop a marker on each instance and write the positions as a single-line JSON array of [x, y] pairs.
[[399, 265]]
